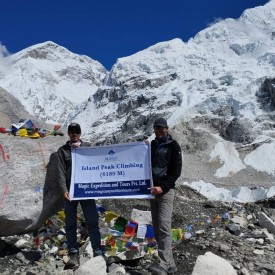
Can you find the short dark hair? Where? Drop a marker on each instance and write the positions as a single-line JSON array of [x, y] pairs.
[[74, 126]]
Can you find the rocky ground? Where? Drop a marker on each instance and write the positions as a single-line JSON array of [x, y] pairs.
[[231, 231]]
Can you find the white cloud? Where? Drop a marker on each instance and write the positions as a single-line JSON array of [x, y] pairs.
[[3, 51], [216, 20]]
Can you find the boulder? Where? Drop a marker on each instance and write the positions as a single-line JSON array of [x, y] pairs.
[[211, 264], [266, 222], [266, 95], [94, 266], [22, 171]]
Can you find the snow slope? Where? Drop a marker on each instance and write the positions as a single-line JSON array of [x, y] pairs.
[[222, 65], [50, 81]]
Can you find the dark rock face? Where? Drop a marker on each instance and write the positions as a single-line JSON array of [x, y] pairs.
[[121, 88], [127, 106], [266, 95], [137, 110], [193, 141], [239, 131]]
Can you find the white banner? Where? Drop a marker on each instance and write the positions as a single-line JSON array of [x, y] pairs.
[[111, 171]]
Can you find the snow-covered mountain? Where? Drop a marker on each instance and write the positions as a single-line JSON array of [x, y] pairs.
[[50, 81], [222, 66], [217, 92]]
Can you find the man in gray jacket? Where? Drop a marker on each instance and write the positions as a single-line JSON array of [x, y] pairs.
[[88, 206], [166, 162]]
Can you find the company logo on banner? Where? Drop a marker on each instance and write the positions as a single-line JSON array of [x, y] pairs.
[[111, 171]]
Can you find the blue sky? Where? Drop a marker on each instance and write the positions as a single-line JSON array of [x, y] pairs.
[[108, 29]]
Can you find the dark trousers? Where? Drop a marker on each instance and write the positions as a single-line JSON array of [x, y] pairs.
[[91, 219]]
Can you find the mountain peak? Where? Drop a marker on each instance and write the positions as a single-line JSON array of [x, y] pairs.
[[45, 44], [43, 50], [261, 17], [52, 75]]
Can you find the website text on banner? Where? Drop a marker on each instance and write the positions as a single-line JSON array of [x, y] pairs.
[[111, 171]]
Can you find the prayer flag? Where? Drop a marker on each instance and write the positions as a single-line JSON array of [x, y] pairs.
[[174, 235], [100, 209], [61, 215], [149, 232], [141, 231], [125, 238], [131, 228], [120, 245], [112, 242], [120, 223], [110, 216]]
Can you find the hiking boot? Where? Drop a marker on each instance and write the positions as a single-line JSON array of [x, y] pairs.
[[172, 270], [98, 252], [157, 270], [73, 262]]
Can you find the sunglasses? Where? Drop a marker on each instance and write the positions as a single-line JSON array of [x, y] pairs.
[[76, 132], [159, 128]]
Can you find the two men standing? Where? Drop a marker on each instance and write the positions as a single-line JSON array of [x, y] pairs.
[[166, 162]]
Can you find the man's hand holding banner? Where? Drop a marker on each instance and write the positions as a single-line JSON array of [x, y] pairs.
[[111, 171]]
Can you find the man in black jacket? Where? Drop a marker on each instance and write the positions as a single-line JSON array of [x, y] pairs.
[[88, 206], [166, 168]]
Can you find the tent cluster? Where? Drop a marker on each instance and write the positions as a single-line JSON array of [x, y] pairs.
[[26, 128]]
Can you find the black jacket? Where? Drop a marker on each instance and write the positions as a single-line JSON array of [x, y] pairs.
[[166, 163], [65, 165]]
